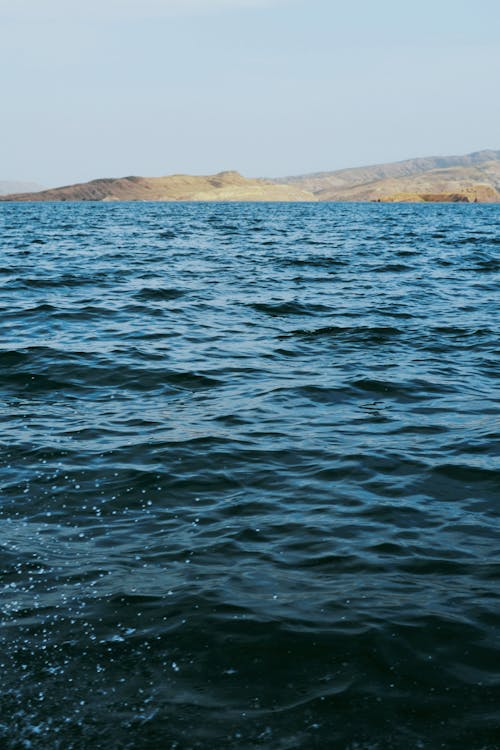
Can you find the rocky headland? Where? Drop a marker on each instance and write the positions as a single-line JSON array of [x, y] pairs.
[[467, 179], [473, 178], [225, 186]]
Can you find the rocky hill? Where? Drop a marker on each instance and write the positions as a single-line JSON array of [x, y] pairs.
[[470, 178], [226, 186], [467, 178]]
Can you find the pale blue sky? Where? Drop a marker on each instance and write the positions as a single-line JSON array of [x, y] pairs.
[[268, 87]]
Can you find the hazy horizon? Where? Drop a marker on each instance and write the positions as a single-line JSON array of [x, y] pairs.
[[266, 87], [263, 176]]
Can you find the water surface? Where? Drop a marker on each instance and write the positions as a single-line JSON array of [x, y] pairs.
[[250, 477]]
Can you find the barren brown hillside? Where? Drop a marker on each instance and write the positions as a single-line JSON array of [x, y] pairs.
[[226, 186], [472, 177]]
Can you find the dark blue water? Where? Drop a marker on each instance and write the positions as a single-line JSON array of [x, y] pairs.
[[250, 477]]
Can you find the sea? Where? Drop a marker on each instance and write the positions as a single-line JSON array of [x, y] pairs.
[[249, 476]]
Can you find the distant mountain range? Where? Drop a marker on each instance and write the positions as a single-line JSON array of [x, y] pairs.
[[471, 178], [435, 178], [226, 186], [11, 186]]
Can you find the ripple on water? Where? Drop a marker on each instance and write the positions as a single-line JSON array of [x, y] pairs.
[[249, 487]]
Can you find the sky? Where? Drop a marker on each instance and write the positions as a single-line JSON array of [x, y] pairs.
[[108, 88]]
